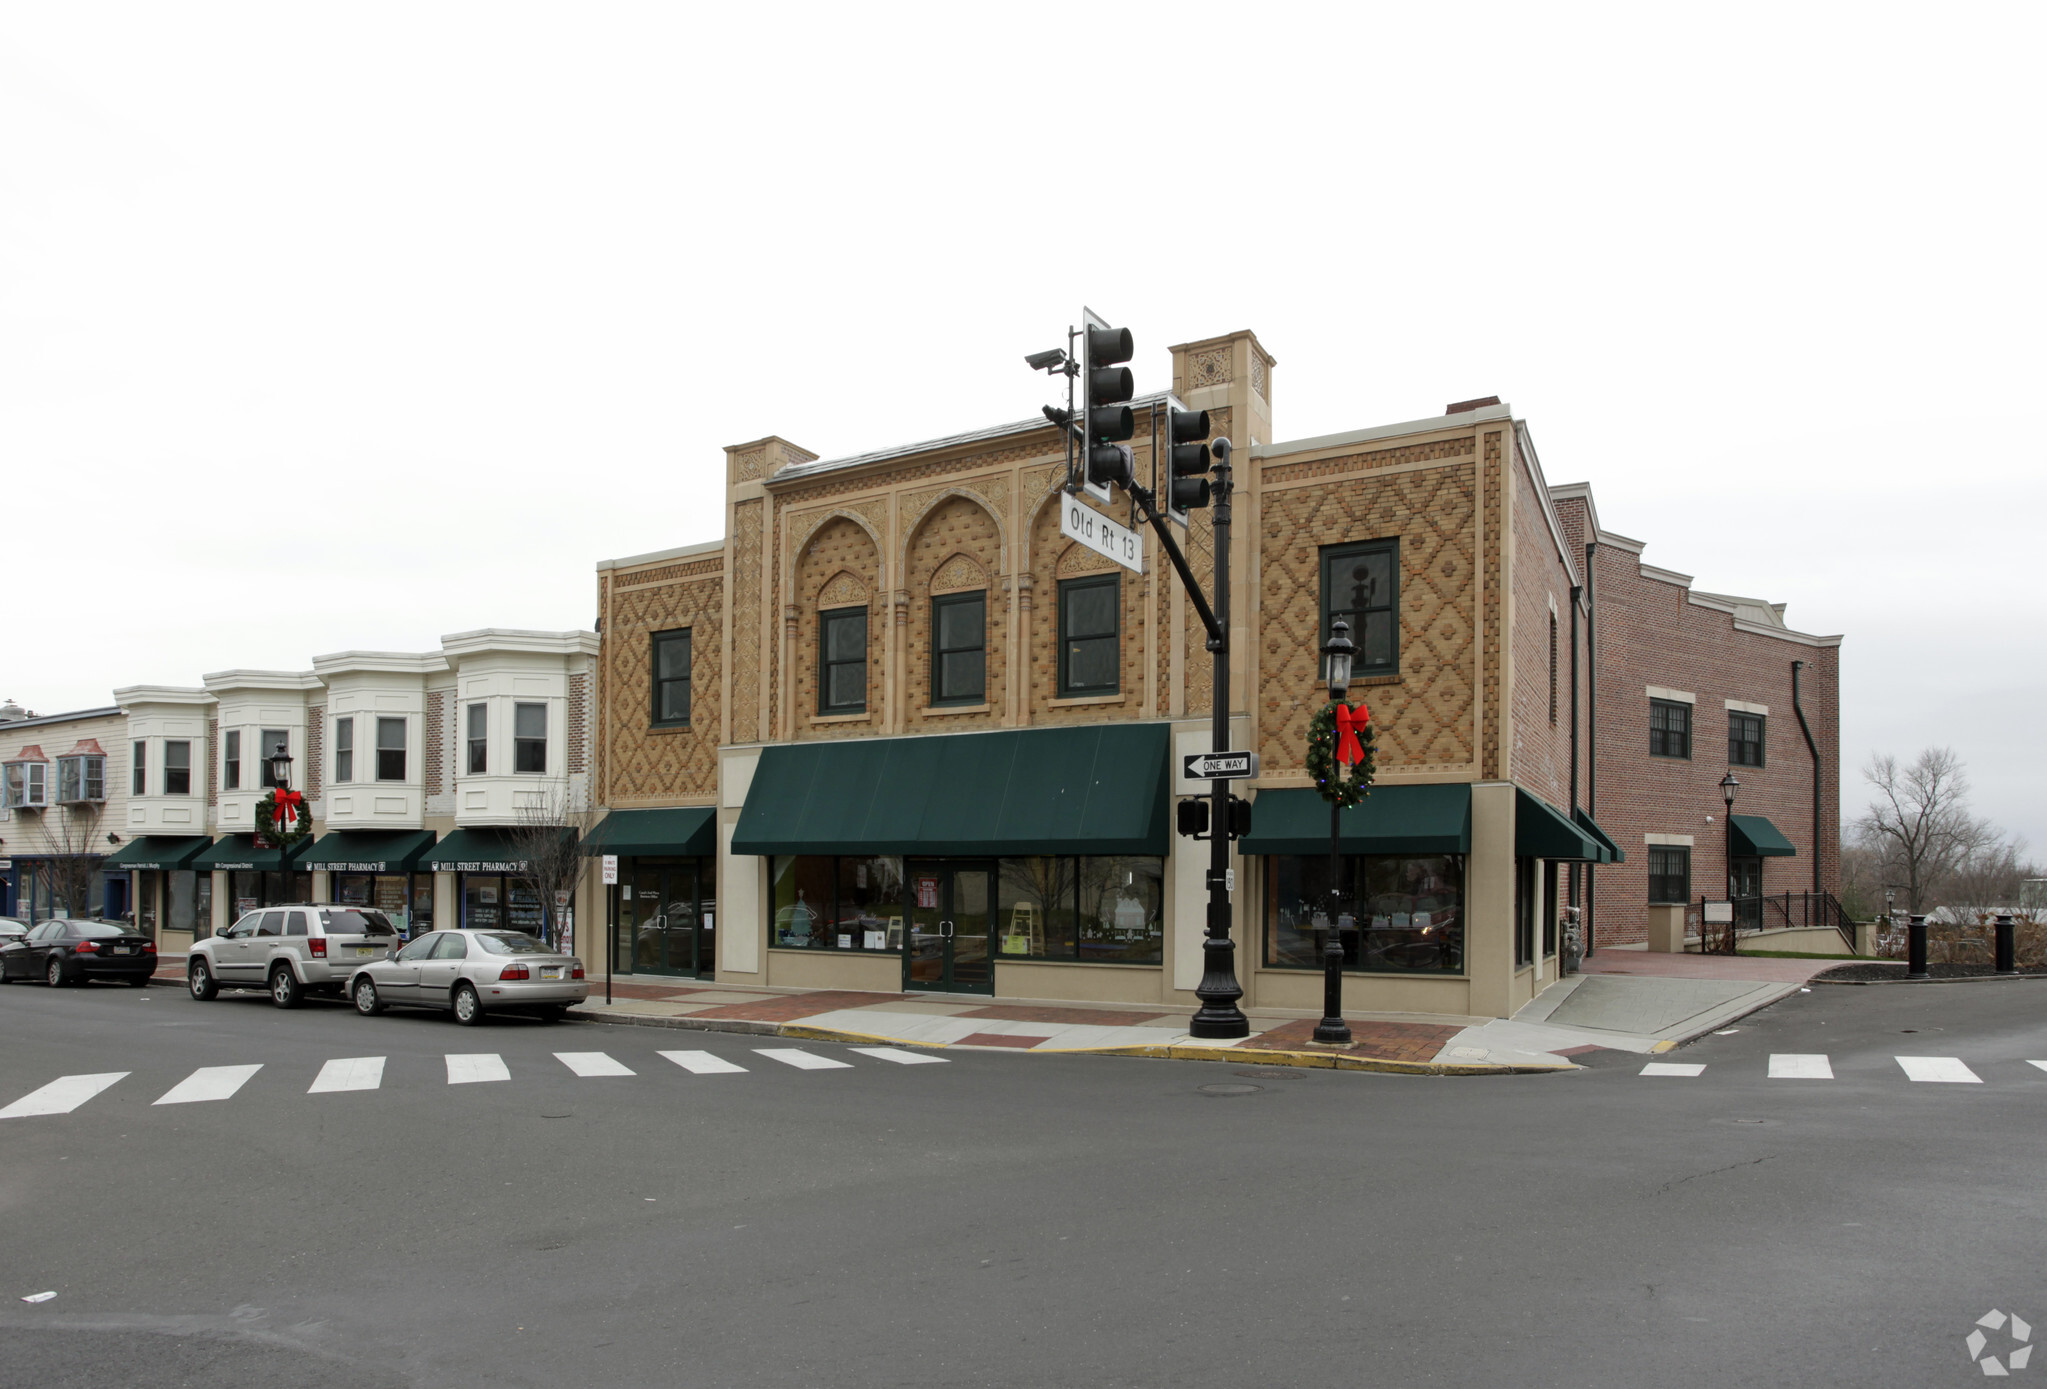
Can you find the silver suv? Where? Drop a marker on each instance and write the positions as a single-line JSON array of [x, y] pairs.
[[291, 951]]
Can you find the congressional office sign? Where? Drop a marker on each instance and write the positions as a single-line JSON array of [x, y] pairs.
[[1081, 522]]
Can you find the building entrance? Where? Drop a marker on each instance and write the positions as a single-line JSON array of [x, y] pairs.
[[951, 945]]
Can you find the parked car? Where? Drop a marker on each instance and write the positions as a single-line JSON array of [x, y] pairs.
[[64, 951], [12, 930], [472, 973], [290, 951]]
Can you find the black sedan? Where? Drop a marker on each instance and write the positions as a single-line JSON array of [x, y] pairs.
[[72, 952]]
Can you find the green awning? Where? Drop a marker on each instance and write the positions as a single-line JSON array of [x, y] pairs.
[[1093, 790], [1541, 831], [1432, 819], [238, 853], [157, 851], [480, 851], [689, 832], [1755, 836], [368, 851], [1613, 852]]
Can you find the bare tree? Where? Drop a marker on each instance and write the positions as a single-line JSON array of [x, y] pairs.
[[1921, 819], [548, 839], [71, 834]]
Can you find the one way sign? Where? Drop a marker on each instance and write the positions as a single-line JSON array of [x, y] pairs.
[[1219, 766]]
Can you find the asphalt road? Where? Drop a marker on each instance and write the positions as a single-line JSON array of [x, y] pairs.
[[1010, 1219]]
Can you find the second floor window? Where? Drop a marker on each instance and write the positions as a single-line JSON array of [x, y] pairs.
[[1090, 659], [842, 666], [177, 767], [344, 749], [671, 678], [529, 738], [959, 648], [275, 741], [1361, 585], [27, 784], [390, 749], [1670, 728], [231, 760], [81, 778], [138, 773], [479, 739], [1745, 739], [1670, 874]]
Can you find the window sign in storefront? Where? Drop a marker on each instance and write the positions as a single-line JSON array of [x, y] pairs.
[[406, 898], [1394, 914], [500, 900]]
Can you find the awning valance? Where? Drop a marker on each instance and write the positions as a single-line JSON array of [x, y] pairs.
[[1432, 819], [688, 832], [1541, 831], [1613, 852], [368, 851], [238, 853], [480, 851], [1755, 837], [167, 852], [1094, 790]]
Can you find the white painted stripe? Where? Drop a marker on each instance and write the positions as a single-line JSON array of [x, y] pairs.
[[2041, 1064], [61, 1095], [900, 1057], [800, 1059], [468, 1068], [349, 1073], [209, 1083], [1946, 1069], [592, 1063], [1793, 1065], [703, 1063], [1672, 1068]]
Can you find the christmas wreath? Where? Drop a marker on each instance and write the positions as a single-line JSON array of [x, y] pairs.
[[282, 820], [1341, 736]]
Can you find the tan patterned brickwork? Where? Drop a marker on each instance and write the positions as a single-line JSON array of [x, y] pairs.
[[1040, 443], [776, 603], [918, 505], [643, 765], [957, 539], [695, 569], [213, 762], [1260, 376], [1425, 719], [436, 737], [749, 465], [1211, 367], [579, 723], [1052, 557], [1377, 458], [316, 751], [803, 524], [747, 525], [1495, 542], [839, 567]]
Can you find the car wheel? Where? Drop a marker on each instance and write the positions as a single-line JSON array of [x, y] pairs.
[[54, 975], [468, 1007], [285, 990], [201, 980], [366, 1000]]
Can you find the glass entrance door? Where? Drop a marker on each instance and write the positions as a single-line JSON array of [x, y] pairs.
[[1745, 886], [951, 945], [666, 916]]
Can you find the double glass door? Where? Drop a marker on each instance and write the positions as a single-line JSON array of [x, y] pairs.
[[951, 945], [1745, 886], [666, 915]]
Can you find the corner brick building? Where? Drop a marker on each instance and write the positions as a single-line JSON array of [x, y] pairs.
[[895, 732]]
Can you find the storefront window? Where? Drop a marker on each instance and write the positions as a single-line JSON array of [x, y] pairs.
[[1034, 908], [1122, 910], [869, 905], [183, 913], [496, 900], [267, 889], [1394, 914], [803, 901], [397, 895]]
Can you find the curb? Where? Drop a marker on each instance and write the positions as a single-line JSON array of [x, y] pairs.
[[1951, 979]]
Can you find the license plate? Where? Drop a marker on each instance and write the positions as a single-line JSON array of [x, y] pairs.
[[365, 950], [124, 950], [550, 971]]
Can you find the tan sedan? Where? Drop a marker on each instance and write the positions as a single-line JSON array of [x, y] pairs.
[[472, 973]]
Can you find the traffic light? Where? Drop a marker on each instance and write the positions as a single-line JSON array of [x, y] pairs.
[[1187, 482], [1192, 815], [1107, 419]]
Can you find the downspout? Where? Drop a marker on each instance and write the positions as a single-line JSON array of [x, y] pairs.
[[1591, 736], [1814, 749], [1577, 869]]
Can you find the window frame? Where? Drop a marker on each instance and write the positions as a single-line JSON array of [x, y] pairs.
[[268, 742], [1330, 555], [231, 759], [27, 784], [658, 683], [1736, 746], [826, 617], [1666, 732], [1680, 854], [87, 774], [138, 768], [171, 773], [523, 744], [344, 750], [940, 601], [404, 738], [475, 740], [1112, 580]]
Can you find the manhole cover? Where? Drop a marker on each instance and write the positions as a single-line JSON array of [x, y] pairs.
[[1230, 1088], [1276, 1075]]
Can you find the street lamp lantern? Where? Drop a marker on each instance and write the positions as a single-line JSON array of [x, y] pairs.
[[1728, 786], [1337, 652], [280, 767]]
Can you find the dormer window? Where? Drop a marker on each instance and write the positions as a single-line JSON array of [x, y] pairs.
[[82, 778], [28, 785]]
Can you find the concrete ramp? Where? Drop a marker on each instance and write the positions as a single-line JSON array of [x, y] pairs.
[[1658, 1007]]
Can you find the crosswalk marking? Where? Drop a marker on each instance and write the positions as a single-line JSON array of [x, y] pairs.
[[800, 1059], [1671, 1068], [593, 1063], [471, 1067], [899, 1056], [349, 1073], [1791, 1065], [1946, 1069], [209, 1083], [2041, 1064], [703, 1063], [61, 1095]]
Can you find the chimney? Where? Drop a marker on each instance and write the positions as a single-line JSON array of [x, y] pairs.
[[1460, 406]]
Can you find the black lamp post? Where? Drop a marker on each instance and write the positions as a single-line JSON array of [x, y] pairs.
[[280, 767], [1337, 651], [1728, 786]]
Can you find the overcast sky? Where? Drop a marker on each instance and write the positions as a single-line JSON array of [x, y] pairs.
[[348, 326]]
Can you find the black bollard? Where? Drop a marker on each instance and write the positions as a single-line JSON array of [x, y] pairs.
[[2007, 951], [1915, 947]]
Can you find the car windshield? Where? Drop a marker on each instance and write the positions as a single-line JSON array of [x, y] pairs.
[[510, 943], [97, 930], [363, 923]]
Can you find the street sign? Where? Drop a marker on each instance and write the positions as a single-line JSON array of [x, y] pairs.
[[1081, 522], [1218, 766], [1719, 913], [610, 869], [561, 899]]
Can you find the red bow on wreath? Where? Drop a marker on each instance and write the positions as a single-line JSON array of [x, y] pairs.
[[1349, 723], [288, 807]]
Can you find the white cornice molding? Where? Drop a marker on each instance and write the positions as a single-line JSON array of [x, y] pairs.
[[489, 639], [378, 663], [228, 681], [708, 547]]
